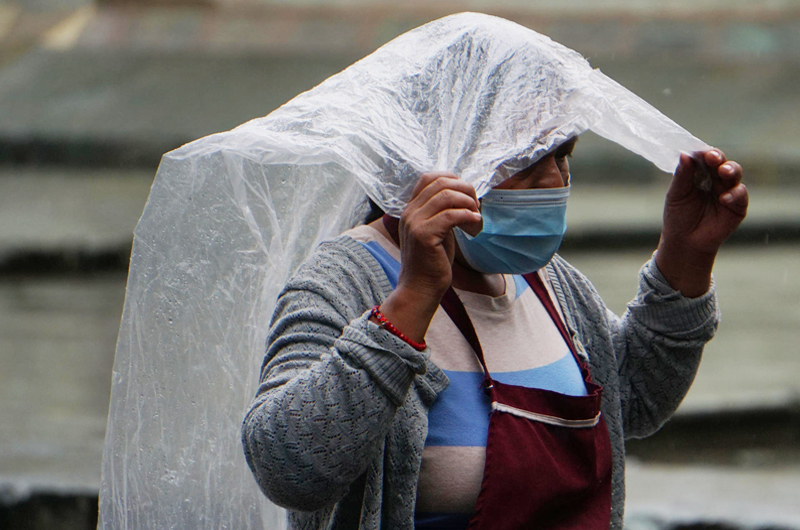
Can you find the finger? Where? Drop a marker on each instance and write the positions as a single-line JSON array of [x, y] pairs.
[[730, 173], [440, 184], [447, 199], [473, 228], [726, 176], [434, 231], [714, 157], [455, 184], [446, 220], [736, 199], [683, 179], [427, 178]]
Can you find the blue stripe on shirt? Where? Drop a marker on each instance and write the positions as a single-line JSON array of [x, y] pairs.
[[390, 265], [460, 415], [521, 284]]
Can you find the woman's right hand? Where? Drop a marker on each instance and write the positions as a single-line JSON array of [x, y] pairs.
[[440, 201]]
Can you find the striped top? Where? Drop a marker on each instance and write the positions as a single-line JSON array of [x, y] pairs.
[[522, 346]]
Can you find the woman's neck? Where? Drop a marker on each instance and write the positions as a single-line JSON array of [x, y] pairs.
[[468, 279]]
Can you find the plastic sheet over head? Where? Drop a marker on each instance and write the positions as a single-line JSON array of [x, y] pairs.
[[230, 216]]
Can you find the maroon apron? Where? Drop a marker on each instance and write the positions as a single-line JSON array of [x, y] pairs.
[[548, 455]]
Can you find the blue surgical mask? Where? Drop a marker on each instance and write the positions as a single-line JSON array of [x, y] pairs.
[[522, 230]]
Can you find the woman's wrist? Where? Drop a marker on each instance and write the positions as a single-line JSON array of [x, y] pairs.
[[386, 324], [409, 311], [685, 269]]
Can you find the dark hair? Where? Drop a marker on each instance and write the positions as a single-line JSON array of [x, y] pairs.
[[375, 212]]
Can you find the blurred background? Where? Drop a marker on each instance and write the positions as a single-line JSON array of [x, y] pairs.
[[92, 93]]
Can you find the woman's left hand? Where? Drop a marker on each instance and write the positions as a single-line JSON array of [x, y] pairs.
[[697, 222]]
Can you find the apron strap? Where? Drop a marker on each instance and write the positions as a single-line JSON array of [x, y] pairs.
[[535, 281], [392, 225], [455, 309]]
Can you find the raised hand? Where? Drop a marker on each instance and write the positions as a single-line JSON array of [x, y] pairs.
[[705, 204], [440, 201]]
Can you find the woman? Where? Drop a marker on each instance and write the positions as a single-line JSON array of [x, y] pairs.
[[352, 425], [355, 426]]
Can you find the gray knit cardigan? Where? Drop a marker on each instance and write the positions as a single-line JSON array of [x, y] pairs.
[[337, 428]]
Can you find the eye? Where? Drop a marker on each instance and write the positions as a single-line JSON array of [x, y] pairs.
[[564, 153], [561, 158], [565, 150]]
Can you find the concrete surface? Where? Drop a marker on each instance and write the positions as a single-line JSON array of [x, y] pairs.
[[129, 108], [57, 338], [610, 208], [660, 496], [753, 360], [69, 209], [568, 6], [63, 209]]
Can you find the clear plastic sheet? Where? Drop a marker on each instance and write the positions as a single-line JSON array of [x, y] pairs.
[[230, 216]]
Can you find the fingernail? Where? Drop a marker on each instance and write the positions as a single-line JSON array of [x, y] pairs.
[[727, 167], [726, 198]]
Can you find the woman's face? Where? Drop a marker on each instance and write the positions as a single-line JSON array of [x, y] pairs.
[[552, 171]]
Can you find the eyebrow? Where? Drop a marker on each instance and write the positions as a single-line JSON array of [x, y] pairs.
[[569, 144]]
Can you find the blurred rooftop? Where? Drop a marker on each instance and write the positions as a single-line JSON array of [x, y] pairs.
[[121, 83]]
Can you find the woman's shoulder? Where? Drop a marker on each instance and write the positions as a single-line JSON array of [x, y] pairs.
[[566, 270], [573, 283], [340, 264]]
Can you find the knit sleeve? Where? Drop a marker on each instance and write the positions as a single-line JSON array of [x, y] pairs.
[[330, 383], [659, 342]]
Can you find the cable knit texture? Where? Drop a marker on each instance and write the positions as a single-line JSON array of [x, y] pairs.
[[337, 428]]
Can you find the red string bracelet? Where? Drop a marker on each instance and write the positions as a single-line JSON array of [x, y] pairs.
[[388, 326]]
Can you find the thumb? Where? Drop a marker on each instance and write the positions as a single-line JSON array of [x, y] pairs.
[[683, 179]]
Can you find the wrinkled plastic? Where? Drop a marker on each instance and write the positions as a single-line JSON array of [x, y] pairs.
[[230, 216]]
